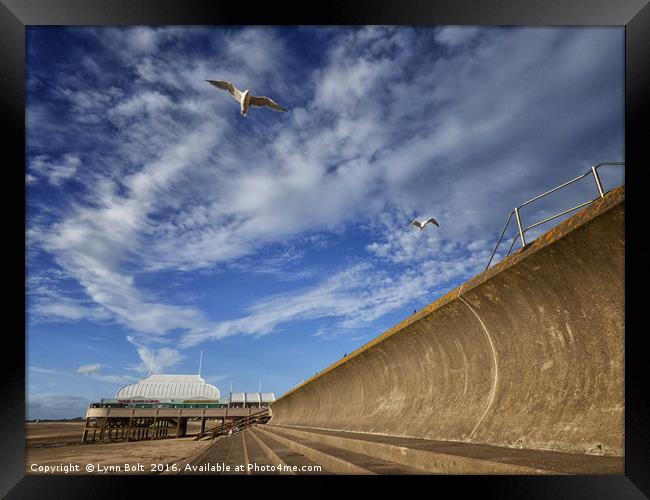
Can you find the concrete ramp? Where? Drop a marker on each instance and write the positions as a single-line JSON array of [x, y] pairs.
[[528, 355]]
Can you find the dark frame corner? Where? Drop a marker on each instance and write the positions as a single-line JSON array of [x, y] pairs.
[[634, 15]]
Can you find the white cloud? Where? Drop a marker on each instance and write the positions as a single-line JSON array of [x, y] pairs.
[[258, 50], [156, 360], [56, 172], [47, 371], [91, 243], [68, 310], [148, 101], [89, 369], [141, 39], [114, 379], [454, 36]]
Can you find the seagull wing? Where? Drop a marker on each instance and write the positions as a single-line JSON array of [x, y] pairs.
[[266, 101], [434, 221], [416, 223], [234, 91]]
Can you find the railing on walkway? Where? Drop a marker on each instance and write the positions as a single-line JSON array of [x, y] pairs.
[[521, 230], [259, 417]]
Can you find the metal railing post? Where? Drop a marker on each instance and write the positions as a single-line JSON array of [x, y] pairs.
[[521, 231], [598, 184], [499, 241]]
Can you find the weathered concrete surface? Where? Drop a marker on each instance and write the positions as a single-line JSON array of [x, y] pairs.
[[529, 354], [453, 457]]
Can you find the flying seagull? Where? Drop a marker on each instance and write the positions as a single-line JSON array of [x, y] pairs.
[[245, 98], [420, 225]]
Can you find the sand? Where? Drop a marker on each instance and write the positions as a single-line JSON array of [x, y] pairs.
[[52, 444], [50, 433]]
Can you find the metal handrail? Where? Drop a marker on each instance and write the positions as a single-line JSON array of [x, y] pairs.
[[242, 423], [522, 230]]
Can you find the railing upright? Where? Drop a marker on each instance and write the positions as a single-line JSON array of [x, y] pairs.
[[594, 169], [521, 231]]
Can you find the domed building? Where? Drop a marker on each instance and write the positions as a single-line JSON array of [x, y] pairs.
[[165, 388]]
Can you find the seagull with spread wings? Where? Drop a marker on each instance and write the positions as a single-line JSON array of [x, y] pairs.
[[421, 224], [245, 98]]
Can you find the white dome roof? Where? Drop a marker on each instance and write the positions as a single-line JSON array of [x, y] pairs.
[[169, 387]]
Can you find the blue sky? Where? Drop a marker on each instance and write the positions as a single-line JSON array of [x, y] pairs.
[[158, 217]]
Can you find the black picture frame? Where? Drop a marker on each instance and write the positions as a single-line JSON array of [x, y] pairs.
[[634, 15]]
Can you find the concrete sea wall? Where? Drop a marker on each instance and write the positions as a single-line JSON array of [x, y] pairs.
[[529, 354]]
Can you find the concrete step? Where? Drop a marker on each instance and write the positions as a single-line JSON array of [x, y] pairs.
[[335, 459], [446, 457], [258, 456], [226, 451], [270, 454], [289, 461], [236, 455], [237, 452]]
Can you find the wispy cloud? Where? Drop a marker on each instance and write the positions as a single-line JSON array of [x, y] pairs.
[[89, 371], [154, 360], [91, 368], [213, 379], [355, 296], [55, 172]]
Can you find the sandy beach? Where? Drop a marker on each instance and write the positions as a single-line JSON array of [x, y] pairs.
[[54, 448]]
